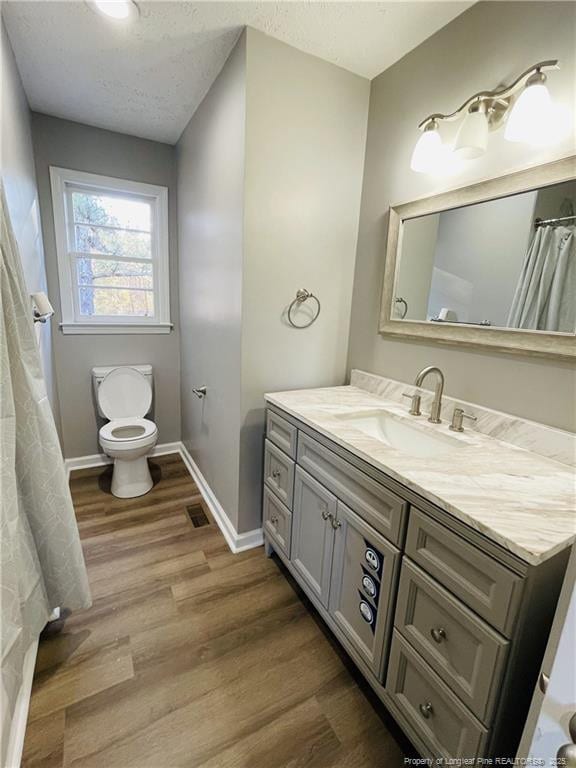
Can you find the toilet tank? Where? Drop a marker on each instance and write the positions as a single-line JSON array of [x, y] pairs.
[[99, 373]]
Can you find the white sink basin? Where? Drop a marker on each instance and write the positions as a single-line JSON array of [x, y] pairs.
[[398, 434]]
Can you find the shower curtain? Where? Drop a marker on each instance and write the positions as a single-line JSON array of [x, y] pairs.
[[545, 297], [41, 562]]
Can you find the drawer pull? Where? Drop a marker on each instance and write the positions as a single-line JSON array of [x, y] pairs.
[[438, 635], [426, 710]]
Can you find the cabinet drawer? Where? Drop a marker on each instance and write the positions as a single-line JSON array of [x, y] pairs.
[[381, 508], [282, 433], [439, 718], [277, 521], [486, 586], [364, 571], [279, 473], [467, 654]]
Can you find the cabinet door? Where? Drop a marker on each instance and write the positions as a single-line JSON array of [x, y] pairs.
[[364, 570], [313, 534]]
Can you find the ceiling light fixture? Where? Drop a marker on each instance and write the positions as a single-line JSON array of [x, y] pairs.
[[526, 104], [119, 10]]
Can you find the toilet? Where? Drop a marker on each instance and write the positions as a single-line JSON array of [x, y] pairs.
[[124, 397]]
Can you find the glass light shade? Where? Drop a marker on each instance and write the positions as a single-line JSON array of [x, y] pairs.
[[115, 9], [532, 117], [472, 137], [427, 152]]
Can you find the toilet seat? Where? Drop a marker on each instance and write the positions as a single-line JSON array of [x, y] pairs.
[[124, 393], [128, 430]]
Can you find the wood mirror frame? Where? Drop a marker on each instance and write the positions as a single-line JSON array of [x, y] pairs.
[[516, 340]]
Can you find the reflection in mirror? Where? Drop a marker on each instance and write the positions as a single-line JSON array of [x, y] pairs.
[[505, 263]]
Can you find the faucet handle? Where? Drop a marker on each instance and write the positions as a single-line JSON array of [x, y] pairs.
[[457, 417], [415, 402]]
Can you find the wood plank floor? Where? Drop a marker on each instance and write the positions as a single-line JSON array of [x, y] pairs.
[[190, 655]]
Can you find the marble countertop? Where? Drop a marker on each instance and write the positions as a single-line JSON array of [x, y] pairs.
[[523, 501]]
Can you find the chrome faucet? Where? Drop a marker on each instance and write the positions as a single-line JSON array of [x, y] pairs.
[[437, 402]]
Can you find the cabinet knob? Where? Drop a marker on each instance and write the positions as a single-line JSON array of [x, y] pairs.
[[426, 710], [325, 514], [438, 635], [273, 519], [336, 524], [275, 474], [566, 756]]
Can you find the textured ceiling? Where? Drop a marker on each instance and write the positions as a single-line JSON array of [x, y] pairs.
[[147, 78]]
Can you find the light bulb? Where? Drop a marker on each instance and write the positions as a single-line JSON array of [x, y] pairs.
[[120, 10], [532, 118], [428, 150], [473, 135]]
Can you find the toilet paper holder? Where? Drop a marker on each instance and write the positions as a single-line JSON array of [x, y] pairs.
[[42, 310]]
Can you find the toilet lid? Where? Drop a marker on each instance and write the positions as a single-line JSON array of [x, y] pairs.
[[123, 393]]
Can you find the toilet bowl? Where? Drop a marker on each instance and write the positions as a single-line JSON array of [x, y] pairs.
[[124, 396]]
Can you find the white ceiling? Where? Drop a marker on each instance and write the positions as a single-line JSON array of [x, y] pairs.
[[148, 77]]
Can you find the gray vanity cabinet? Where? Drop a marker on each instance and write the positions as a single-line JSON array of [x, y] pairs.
[[448, 627], [313, 534], [364, 569]]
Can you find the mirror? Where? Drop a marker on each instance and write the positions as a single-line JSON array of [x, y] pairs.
[[493, 264]]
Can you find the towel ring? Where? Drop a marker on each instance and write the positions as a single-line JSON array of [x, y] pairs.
[[303, 295], [403, 302]]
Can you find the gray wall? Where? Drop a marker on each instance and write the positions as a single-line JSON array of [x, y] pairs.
[[210, 220], [82, 148], [270, 174], [416, 263], [484, 246], [305, 143], [19, 178], [488, 44]]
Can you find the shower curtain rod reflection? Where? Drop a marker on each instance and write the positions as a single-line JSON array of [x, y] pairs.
[[543, 222]]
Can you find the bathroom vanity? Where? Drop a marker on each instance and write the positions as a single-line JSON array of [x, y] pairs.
[[436, 558]]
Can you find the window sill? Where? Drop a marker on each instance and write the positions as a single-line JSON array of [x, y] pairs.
[[115, 328]]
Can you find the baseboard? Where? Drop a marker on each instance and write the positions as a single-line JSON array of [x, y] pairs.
[[238, 542], [20, 716], [100, 459]]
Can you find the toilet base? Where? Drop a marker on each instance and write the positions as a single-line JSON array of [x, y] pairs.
[[131, 478]]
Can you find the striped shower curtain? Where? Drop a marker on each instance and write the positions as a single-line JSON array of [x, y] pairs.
[[41, 562]]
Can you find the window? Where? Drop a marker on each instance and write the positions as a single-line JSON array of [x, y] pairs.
[[112, 244]]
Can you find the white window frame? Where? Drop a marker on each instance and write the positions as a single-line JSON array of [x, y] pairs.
[[63, 181]]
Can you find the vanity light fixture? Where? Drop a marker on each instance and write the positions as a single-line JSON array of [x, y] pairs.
[[525, 105], [533, 119], [119, 10], [472, 138], [428, 149]]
